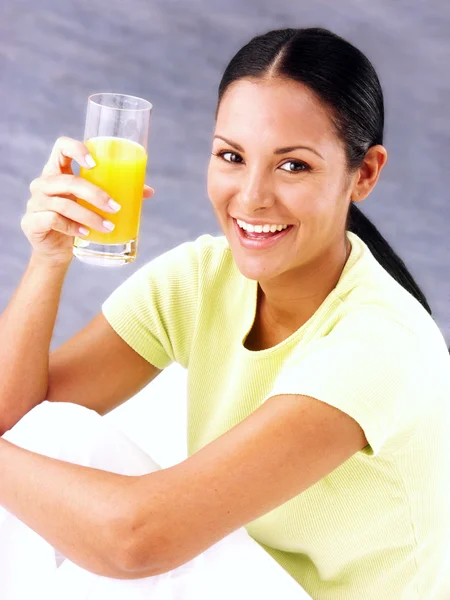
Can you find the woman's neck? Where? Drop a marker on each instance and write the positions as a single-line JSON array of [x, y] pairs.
[[287, 303]]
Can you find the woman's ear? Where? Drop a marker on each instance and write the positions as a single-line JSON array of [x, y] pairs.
[[369, 172]]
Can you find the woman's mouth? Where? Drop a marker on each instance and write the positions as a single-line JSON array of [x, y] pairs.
[[260, 240]]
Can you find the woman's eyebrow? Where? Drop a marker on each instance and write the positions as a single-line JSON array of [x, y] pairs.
[[277, 151], [292, 148]]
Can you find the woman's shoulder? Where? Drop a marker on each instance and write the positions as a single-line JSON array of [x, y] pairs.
[[213, 248], [188, 257], [205, 248], [368, 289], [214, 259]]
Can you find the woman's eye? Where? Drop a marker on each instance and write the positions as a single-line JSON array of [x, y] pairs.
[[230, 156], [291, 166], [294, 166]]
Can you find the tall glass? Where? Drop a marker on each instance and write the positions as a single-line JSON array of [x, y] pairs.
[[116, 133]]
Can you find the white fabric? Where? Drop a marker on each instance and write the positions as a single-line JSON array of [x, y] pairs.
[[236, 567]]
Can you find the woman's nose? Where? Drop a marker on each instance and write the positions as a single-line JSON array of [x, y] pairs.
[[256, 192]]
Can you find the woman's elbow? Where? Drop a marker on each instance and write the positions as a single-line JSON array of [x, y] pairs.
[[139, 551]]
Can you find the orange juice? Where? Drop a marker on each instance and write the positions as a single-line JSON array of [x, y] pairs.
[[120, 171]]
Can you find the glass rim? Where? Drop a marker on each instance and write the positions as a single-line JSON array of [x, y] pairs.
[[92, 96]]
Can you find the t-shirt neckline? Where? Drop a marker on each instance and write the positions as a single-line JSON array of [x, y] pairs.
[[251, 293]]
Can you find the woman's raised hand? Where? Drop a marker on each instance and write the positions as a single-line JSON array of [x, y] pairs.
[[53, 215]]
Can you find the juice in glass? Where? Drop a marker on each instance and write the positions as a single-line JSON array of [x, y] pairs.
[[116, 134], [120, 171]]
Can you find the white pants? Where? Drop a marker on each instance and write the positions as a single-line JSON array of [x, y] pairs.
[[236, 567]]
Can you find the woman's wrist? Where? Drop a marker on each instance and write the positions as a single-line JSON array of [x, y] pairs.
[[52, 264]]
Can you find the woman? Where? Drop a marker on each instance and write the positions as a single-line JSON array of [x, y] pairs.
[[318, 380]]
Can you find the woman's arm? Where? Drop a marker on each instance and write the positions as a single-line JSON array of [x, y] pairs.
[[79, 510], [106, 369], [134, 527], [96, 368], [26, 328]]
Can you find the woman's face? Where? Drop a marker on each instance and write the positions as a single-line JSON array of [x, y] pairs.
[[277, 161]]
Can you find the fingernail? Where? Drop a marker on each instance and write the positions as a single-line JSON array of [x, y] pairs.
[[114, 205], [83, 230], [90, 162], [108, 225]]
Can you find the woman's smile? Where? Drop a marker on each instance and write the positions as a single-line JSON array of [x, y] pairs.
[[260, 238]]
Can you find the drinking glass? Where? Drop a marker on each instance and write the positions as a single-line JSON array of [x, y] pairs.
[[116, 134]]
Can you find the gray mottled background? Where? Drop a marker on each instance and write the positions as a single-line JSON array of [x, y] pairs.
[[54, 53]]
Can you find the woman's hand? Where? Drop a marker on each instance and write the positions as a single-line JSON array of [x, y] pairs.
[[53, 215]]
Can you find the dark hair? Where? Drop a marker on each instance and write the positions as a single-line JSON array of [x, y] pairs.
[[344, 79]]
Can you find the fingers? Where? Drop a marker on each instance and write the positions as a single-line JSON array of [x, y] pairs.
[[58, 194], [71, 185], [64, 151], [67, 149], [148, 191], [42, 223], [70, 210]]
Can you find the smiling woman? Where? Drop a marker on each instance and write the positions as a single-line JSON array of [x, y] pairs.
[[318, 410]]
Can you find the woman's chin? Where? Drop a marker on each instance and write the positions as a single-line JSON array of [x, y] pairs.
[[255, 268]]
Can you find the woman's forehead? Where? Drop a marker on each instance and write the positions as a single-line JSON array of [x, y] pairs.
[[275, 111]]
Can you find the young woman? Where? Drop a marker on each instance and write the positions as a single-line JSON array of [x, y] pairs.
[[318, 397]]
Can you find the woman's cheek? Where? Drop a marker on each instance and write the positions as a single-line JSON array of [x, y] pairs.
[[221, 187], [301, 202]]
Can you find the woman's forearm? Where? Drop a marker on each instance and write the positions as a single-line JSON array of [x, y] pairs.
[[79, 510], [26, 328]]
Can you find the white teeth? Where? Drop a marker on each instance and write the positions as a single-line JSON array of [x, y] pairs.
[[260, 228]]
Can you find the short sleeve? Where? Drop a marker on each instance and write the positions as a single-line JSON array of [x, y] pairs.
[[155, 309], [369, 367]]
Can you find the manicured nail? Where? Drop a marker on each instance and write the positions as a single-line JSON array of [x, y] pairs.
[[84, 230], [114, 205], [108, 225], [90, 162]]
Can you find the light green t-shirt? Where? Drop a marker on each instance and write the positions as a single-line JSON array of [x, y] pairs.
[[377, 527]]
